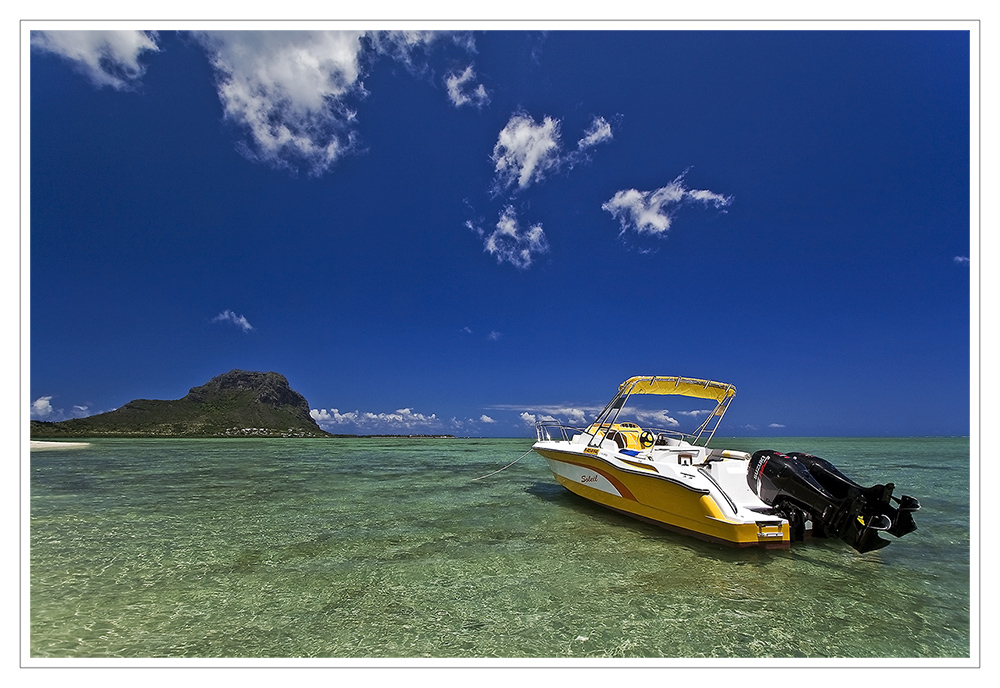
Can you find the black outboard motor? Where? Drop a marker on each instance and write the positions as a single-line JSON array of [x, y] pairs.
[[802, 487]]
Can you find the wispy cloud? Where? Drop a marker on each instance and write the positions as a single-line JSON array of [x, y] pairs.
[[598, 132], [493, 336], [403, 46], [463, 91], [107, 58], [413, 49], [775, 425], [525, 154], [652, 212], [508, 242], [660, 419], [526, 151], [695, 414], [230, 317], [962, 260]]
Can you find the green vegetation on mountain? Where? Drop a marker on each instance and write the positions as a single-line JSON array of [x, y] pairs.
[[235, 404]]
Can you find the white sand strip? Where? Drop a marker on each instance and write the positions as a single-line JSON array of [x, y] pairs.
[[38, 445]]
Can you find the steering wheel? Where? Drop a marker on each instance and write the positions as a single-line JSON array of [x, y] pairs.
[[646, 438]]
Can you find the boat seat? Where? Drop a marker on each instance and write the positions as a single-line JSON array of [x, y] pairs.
[[618, 439]]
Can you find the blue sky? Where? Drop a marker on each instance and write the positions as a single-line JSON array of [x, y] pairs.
[[461, 231]]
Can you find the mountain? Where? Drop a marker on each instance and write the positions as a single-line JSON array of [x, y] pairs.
[[236, 404]]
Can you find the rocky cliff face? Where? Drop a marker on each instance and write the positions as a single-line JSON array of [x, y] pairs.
[[238, 403], [266, 388]]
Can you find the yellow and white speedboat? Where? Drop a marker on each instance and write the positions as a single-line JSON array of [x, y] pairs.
[[675, 480]]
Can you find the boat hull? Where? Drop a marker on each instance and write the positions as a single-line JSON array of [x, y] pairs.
[[676, 480], [642, 493]]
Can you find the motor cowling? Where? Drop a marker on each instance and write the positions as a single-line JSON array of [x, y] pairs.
[[803, 487]]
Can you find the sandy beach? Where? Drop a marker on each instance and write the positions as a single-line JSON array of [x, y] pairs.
[[39, 445]]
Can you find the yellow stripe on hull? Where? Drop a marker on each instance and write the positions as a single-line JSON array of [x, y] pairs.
[[662, 502]]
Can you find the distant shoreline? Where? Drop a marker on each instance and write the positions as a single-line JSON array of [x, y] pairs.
[[431, 437]]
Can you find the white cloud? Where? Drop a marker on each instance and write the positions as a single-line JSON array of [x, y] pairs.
[[961, 260], [230, 317], [107, 58], [405, 47], [573, 415], [486, 419], [580, 416], [401, 44], [525, 151], [652, 212], [510, 243], [599, 132], [775, 425], [657, 418], [492, 336], [400, 419], [41, 408], [708, 197], [461, 92], [695, 414], [531, 418], [289, 90], [293, 92]]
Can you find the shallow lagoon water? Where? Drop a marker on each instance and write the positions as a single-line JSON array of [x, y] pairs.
[[388, 548]]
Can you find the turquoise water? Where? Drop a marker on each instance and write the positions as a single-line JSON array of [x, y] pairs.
[[378, 548]]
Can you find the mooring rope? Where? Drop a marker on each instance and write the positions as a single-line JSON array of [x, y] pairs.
[[504, 468]]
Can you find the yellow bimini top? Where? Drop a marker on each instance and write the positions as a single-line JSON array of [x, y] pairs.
[[680, 386], [719, 392]]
